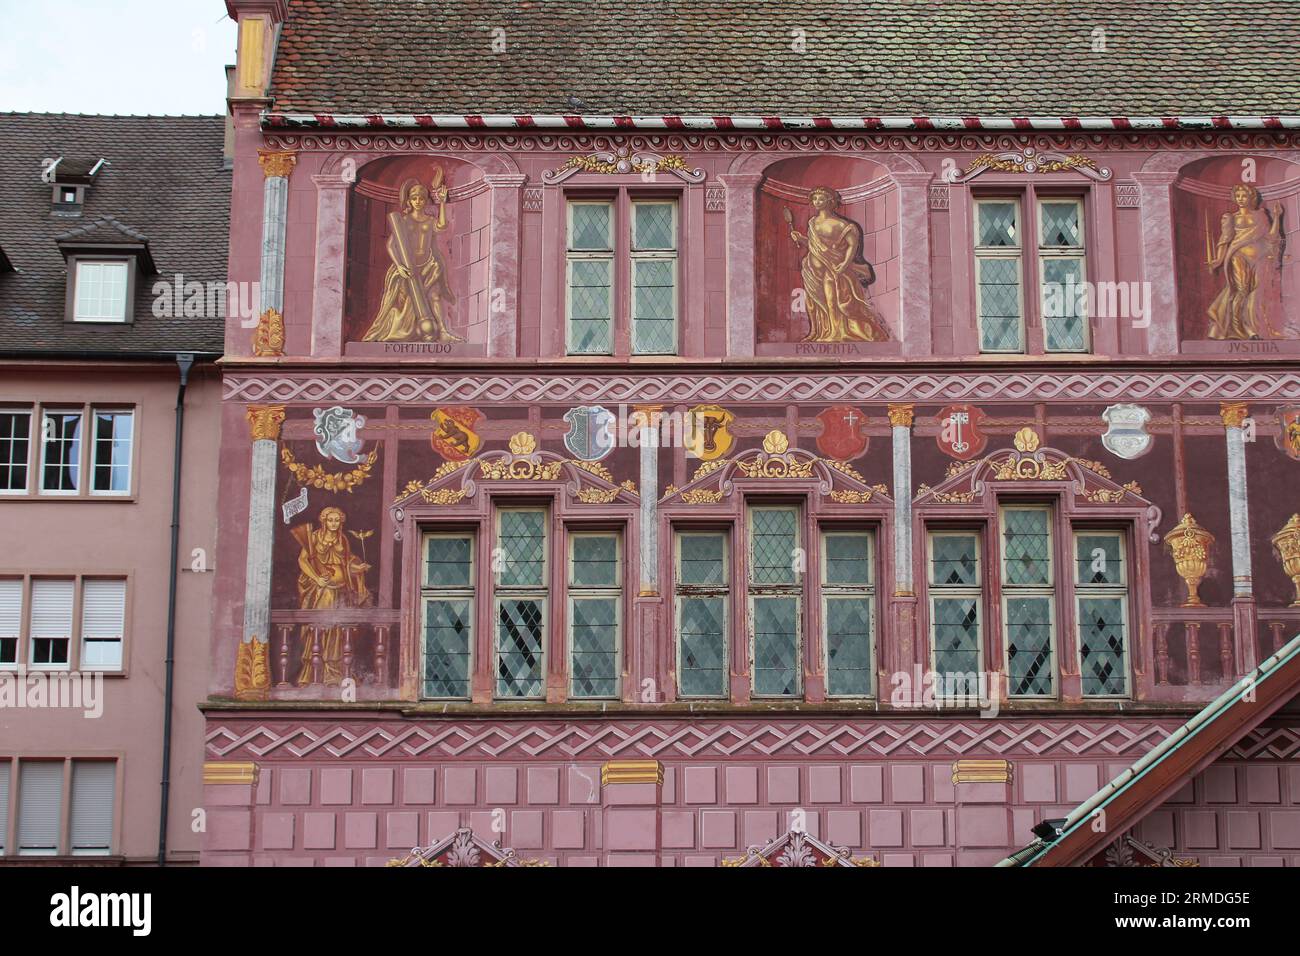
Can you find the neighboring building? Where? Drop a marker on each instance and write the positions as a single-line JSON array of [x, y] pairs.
[[838, 257], [103, 217]]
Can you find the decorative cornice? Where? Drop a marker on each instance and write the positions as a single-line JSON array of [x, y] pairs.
[[918, 387]]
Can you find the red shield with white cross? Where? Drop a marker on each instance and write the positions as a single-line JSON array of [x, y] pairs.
[[959, 431], [844, 433]]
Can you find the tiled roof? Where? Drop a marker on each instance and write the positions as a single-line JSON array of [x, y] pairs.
[[860, 57], [164, 184]]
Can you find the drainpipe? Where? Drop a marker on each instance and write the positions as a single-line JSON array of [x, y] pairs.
[[183, 362]]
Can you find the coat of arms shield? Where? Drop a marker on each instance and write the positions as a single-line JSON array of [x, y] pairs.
[[959, 431], [453, 432], [1126, 435], [843, 434], [591, 432]]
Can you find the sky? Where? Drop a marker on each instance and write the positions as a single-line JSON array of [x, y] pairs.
[[115, 56]]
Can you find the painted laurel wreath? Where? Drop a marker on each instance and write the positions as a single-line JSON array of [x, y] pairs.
[[317, 477]]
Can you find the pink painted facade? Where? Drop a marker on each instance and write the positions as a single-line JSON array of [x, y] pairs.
[[339, 733]]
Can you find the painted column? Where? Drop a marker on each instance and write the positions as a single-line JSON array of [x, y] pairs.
[[741, 191], [331, 250], [1158, 260], [503, 269], [903, 605], [914, 278], [648, 438], [252, 664], [1235, 416], [276, 167]]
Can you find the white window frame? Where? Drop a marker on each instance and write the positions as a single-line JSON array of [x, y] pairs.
[[430, 592], [1071, 253], [521, 592], [1013, 253], [758, 591], [33, 439], [866, 591], [80, 470], [81, 265], [683, 591], [92, 460], [1046, 591], [17, 634], [572, 255], [576, 592], [936, 591], [669, 255], [79, 597], [74, 630], [65, 768], [1121, 591]]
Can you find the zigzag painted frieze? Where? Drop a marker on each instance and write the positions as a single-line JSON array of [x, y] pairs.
[[680, 739], [924, 387]]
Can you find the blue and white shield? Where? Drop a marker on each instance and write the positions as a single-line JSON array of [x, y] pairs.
[[591, 432]]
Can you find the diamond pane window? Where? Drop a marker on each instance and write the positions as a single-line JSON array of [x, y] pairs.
[[590, 226], [521, 549], [1026, 546], [702, 593], [590, 278], [654, 226], [999, 305], [447, 599], [847, 595], [654, 277], [776, 646], [954, 560], [773, 539], [595, 597], [520, 631], [997, 223], [1061, 265], [956, 628], [1029, 645], [1101, 593]]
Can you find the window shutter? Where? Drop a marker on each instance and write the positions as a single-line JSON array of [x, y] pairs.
[[92, 806], [4, 803], [52, 607], [103, 613], [40, 800], [11, 622]]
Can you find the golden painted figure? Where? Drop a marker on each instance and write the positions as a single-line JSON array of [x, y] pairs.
[[331, 578], [416, 293], [1248, 238], [835, 275]]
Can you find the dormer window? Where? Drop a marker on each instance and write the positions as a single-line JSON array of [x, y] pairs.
[[100, 290]]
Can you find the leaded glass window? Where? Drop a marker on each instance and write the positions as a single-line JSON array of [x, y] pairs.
[[447, 613], [1028, 601], [519, 563], [847, 612], [956, 603], [595, 611], [776, 564], [590, 277], [1062, 271], [999, 299], [654, 277], [1101, 595], [702, 594]]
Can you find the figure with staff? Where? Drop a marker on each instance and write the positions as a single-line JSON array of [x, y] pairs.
[[416, 294], [1248, 251]]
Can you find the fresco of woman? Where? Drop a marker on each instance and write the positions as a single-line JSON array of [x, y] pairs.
[[836, 276], [1248, 237], [416, 293], [331, 578]]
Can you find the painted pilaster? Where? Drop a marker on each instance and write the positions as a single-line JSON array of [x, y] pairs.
[[741, 192], [900, 421], [503, 269], [1235, 416], [648, 437], [331, 249], [252, 664], [914, 278], [1158, 259], [631, 794]]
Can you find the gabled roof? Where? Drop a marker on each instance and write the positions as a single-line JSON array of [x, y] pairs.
[[767, 57], [165, 191], [1166, 768]]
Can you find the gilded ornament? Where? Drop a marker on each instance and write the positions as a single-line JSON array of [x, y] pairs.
[[1287, 543], [1094, 466], [851, 497], [443, 496], [252, 670], [597, 496], [701, 496], [775, 443], [276, 164], [318, 477], [901, 414], [1234, 414], [522, 443], [708, 468], [268, 337], [594, 468], [264, 421], [520, 469], [775, 466], [1189, 544], [844, 468], [1027, 440]]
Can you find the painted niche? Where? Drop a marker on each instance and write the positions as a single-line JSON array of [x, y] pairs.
[[418, 249], [827, 258], [1237, 285]]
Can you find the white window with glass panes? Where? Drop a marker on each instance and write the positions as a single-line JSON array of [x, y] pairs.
[[39, 623], [1052, 258], [621, 250], [66, 451]]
